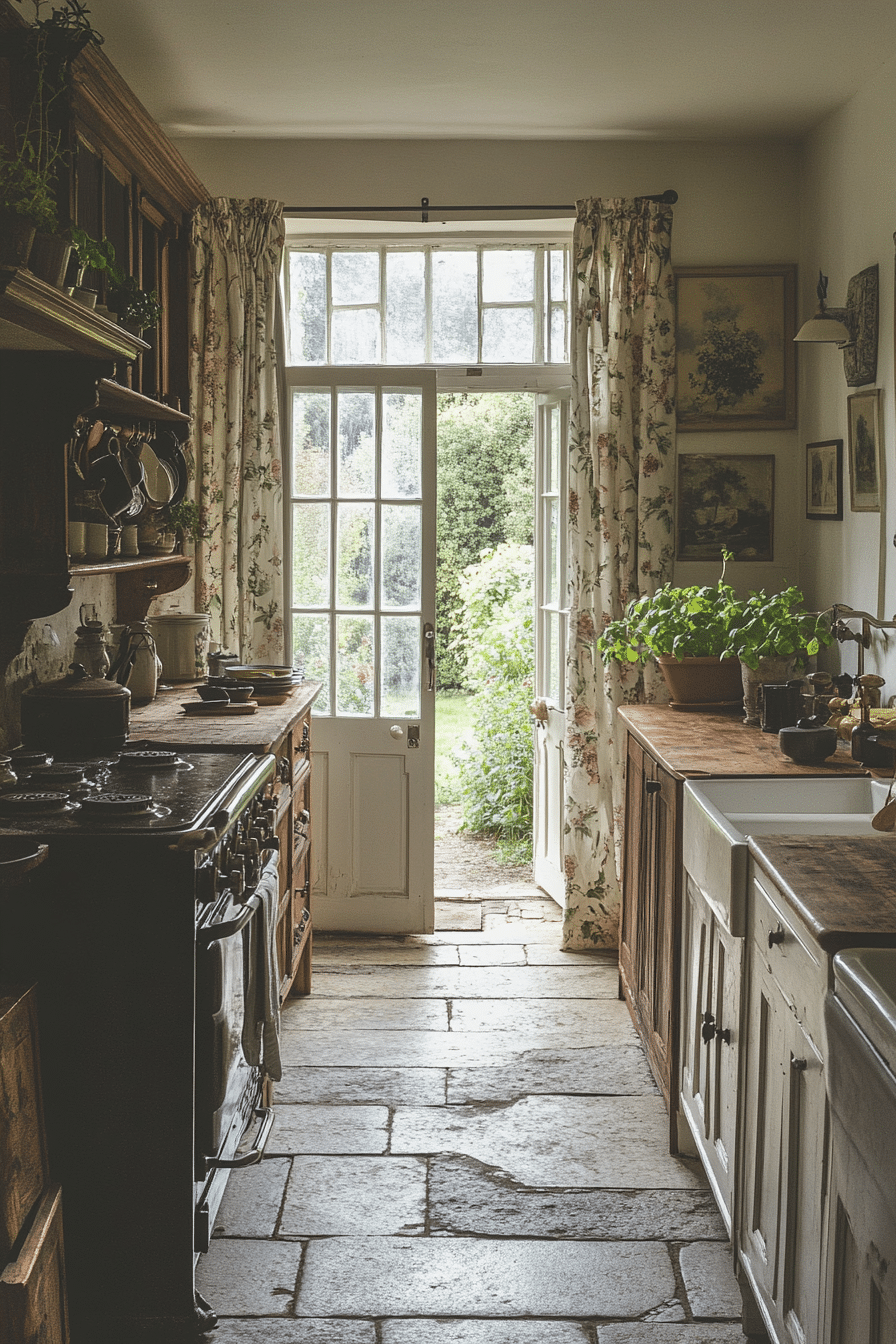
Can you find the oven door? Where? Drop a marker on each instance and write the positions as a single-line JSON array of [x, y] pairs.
[[228, 1089]]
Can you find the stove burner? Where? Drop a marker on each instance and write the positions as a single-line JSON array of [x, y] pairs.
[[24, 760], [34, 802], [153, 760], [116, 805], [60, 773]]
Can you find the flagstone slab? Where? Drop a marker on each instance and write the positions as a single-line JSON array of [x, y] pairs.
[[384, 1087], [649, 1333], [571, 1017], [249, 1278], [614, 1142], [355, 1196], [467, 982], [499, 930], [251, 1203], [268, 1330], [484, 1332], [369, 1014], [345, 954], [430, 1049], [463, 1277], [467, 1198], [708, 1273], [538, 954], [329, 1129], [493, 954], [605, 1070], [458, 916]]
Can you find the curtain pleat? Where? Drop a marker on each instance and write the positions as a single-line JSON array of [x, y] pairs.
[[236, 247], [621, 483]]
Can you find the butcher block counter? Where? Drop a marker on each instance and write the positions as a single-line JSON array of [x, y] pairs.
[[284, 730], [665, 747]]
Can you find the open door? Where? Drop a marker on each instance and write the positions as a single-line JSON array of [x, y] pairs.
[[362, 528], [551, 620]]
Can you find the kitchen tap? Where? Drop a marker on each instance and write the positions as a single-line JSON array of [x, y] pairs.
[[841, 613]]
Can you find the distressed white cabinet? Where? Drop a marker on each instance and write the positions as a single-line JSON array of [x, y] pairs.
[[712, 978], [780, 1233]]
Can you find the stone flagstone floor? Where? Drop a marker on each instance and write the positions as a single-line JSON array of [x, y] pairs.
[[469, 1149]]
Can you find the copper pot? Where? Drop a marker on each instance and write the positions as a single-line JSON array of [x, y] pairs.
[[76, 716]]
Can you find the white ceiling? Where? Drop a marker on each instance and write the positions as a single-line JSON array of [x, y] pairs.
[[579, 69]]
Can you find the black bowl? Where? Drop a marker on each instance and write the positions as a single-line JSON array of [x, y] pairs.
[[807, 746]]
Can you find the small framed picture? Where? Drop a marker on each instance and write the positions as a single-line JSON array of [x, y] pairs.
[[824, 480], [864, 451], [725, 499]]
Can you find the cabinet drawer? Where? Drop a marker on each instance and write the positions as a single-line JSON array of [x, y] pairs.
[[24, 1169], [32, 1287], [796, 963]]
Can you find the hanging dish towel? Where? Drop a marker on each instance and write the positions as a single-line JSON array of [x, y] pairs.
[[261, 979]]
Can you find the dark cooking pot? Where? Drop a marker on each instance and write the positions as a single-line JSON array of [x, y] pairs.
[[76, 716]]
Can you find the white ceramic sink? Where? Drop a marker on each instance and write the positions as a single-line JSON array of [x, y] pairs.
[[720, 814], [865, 984]]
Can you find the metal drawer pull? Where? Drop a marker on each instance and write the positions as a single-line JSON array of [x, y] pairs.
[[709, 1031], [652, 786], [775, 936], [800, 1065], [266, 1115]]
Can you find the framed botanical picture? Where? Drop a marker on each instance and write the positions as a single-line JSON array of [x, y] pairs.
[[725, 499], [824, 480], [735, 356], [864, 451]]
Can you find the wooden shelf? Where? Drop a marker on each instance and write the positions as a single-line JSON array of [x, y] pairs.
[[35, 316], [120, 401], [126, 564]]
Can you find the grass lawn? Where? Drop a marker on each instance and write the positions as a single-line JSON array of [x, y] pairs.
[[454, 719]]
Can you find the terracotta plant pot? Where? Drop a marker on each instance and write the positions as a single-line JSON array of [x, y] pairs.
[[702, 681]]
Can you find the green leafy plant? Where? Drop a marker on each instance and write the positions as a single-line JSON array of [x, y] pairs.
[[133, 304], [185, 518], [690, 622], [93, 255], [29, 165], [776, 627]]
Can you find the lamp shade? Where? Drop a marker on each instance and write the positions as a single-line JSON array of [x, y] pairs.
[[823, 327]]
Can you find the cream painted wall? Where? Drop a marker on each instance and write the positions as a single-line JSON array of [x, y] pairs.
[[738, 203], [848, 195]]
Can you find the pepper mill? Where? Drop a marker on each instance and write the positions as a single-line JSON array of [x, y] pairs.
[[872, 685]]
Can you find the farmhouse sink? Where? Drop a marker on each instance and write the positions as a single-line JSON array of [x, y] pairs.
[[865, 984], [720, 814]]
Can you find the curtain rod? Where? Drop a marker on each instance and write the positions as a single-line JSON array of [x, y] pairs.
[[666, 198]]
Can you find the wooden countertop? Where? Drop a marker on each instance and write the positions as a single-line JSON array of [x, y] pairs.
[[697, 745], [843, 888], [164, 721]]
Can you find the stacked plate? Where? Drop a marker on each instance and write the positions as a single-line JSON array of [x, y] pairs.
[[272, 682]]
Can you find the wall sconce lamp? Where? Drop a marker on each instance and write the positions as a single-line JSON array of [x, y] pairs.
[[853, 328]]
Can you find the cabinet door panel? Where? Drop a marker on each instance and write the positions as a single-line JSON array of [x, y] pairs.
[[805, 1132]]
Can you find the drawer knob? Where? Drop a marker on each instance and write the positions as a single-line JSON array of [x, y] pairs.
[[799, 1065], [708, 1030], [652, 786], [775, 936]]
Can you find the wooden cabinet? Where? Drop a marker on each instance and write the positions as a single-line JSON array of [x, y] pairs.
[[33, 1304], [711, 989], [294, 932], [651, 896], [785, 1130]]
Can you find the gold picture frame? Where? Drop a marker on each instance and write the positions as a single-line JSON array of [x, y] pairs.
[[865, 439], [735, 355]]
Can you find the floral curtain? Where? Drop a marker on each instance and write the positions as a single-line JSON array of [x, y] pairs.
[[621, 464], [235, 261]]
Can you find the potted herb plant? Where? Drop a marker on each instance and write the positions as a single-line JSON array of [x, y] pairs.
[[138, 309], [773, 637], [91, 256], [42, 53], [687, 630], [186, 520]]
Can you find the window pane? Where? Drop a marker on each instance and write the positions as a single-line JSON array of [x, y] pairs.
[[354, 552], [559, 349], [551, 559], [553, 454], [356, 413], [311, 443], [400, 666], [307, 308], [311, 646], [356, 336], [405, 308], [401, 447], [558, 273], [454, 307], [356, 277], [552, 635], [508, 277], [311, 555], [507, 335], [354, 665], [400, 577]]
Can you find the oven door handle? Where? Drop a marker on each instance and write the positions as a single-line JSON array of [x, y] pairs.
[[266, 1116], [228, 927]]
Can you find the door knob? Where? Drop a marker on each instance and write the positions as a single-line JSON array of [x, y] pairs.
[[396, 731]]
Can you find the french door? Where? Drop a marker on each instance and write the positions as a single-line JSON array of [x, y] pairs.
[[362, 545], [551, 621]]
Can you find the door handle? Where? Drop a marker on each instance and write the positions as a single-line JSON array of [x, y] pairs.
[[429, 655]]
